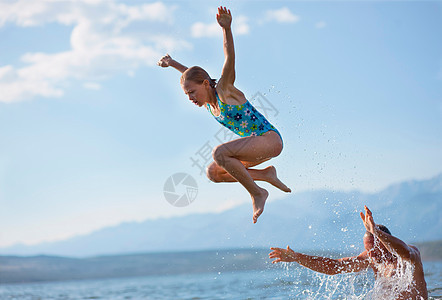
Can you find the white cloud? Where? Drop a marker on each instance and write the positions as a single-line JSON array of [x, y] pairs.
[[199, 30], [283, 15], [320, 25], [92, 86], [239, 27], [100, 44]]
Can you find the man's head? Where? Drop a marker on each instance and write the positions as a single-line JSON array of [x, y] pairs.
[[375, 249]]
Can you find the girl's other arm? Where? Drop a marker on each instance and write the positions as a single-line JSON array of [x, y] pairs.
[[167, 61], [224, 18]]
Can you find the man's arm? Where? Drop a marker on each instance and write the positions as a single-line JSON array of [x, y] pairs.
[[224, 19], [393, 244], [167, 61], [321, 264]]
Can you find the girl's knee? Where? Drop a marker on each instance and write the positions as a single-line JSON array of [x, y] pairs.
[[212, 172], [278, 149], [219, 153]]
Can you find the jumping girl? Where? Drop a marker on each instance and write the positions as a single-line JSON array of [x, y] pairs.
[[259, 142]]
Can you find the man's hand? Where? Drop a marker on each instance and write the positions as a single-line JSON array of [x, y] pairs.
[[284, 255], [165, 61], [224, 17], [368, 221]]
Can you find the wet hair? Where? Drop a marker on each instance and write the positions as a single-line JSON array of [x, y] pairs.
[[384, 228], [197, 75], [381, 228]]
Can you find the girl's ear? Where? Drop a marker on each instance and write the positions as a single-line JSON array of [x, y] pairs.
[[206, 83]]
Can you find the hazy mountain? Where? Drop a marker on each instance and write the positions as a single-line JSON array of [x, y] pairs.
[[14, 269], [323, 220], [52, 268]]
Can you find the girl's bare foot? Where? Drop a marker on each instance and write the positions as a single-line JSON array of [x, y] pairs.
[[258, 204], [274, 180]]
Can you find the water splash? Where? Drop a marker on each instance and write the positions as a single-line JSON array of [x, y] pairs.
[[397, 283], [302, 283]]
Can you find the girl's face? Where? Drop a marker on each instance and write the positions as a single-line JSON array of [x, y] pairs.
[[196, 92]]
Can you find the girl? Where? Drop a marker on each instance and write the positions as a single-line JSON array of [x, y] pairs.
[[259, 141]]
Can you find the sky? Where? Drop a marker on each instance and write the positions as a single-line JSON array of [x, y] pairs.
[[91, 128]]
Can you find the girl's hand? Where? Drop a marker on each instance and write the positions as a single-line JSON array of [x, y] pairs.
[[284, 255], [165, 61], [224, 17]]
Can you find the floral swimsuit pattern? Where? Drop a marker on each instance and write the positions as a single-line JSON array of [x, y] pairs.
[[244, 120]]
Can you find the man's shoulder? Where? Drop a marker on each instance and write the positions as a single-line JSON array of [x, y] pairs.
[[414, 250], [414, 255]]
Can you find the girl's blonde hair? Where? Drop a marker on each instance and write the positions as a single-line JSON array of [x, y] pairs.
[[197, 75]]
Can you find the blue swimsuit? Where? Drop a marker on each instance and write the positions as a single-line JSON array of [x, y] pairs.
[[244, 120]]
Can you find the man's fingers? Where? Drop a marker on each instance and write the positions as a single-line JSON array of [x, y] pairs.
[[362, 216], [367, 210]]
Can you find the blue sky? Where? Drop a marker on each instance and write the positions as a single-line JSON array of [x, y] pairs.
[[91, 128]]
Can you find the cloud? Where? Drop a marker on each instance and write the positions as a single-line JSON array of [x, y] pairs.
[[102, 44], [199, 30], [283, 15], [15, 86], [320, 25], [240, 26], [33, 13], [92, 86]]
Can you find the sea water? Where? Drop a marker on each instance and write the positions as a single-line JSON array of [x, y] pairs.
[[284, 282]]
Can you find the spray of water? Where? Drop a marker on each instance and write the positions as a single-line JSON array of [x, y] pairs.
[[302, 283], [397, 283], [310, 285]]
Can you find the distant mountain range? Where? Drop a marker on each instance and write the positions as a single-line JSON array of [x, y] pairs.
[[18, 269], [322, 220]]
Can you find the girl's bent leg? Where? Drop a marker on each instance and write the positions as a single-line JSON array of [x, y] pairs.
[[218, 174], [252, 149]]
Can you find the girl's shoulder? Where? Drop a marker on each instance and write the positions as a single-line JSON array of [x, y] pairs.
[[229, 94]]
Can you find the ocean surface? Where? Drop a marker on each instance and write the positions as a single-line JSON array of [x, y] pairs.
[[283, 282]]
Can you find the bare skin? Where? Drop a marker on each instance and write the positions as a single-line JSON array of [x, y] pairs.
[[218, 174], [233, 160], [382, 252]]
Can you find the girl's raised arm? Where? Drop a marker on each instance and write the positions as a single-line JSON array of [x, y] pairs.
[[167, 61], [224, 18]]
